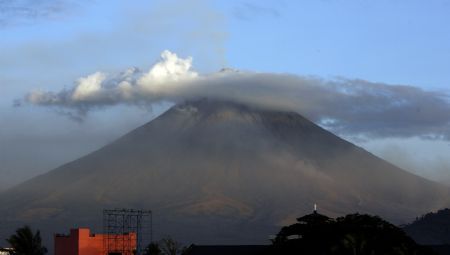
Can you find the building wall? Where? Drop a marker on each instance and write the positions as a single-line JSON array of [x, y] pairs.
[[89, 244], [82, 242], [67, 245]]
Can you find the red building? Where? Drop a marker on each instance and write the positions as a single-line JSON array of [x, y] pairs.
[[81, 242]]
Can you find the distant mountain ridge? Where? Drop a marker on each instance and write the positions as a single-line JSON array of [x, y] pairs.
[[221, 172], [431, 228]]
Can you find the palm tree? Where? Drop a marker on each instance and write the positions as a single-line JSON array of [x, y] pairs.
[[24, 242]]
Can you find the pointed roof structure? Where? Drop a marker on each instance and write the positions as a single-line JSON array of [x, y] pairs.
[[314, 218]]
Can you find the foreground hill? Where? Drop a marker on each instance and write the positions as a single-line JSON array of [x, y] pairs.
[[431, 228], [221, 172]]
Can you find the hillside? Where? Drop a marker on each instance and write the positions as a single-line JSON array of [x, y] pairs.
[[431, 228], [221, 172]]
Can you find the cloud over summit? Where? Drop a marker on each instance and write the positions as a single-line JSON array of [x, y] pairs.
[[132, 86], [345, 106]]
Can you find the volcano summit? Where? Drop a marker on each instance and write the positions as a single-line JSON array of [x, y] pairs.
[[221, 172]]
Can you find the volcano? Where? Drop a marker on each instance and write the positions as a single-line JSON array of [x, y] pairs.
[[216, 172]]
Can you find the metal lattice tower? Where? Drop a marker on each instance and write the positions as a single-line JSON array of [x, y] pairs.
[[124, 228]]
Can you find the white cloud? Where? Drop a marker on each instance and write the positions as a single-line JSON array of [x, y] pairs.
[[169, 70], [347, 107], [88, 87], [127, 87]]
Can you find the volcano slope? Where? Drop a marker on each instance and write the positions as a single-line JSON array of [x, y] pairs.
[[221, 172]]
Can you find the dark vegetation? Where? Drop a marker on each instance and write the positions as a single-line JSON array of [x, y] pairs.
[[352, 234], [166, 246], [431, 228], [25, 242], [314, 233]]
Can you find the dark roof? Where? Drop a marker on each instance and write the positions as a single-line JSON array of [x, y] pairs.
[[226, 249], [314, 218]]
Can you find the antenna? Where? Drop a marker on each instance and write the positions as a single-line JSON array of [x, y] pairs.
[[315, 208]]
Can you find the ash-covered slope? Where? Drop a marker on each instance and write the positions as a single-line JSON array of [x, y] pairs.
[[221, 172]]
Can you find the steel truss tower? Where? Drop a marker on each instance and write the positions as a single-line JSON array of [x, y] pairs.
[[126, 230]]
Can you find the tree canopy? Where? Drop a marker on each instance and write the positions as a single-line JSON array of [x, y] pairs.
[[352, 234], [166, 246], [25, 242]]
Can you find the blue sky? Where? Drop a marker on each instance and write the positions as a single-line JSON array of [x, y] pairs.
[[398, 42], [50, 44], [403, 42]]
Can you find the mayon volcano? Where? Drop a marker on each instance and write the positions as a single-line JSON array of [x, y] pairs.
[[221, 172]]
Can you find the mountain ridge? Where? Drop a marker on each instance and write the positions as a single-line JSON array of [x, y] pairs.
[[243, 168]]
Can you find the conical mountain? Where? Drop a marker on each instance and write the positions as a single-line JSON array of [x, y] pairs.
[[221, 172]]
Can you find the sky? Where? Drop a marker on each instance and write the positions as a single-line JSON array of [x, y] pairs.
[[373, 59]]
